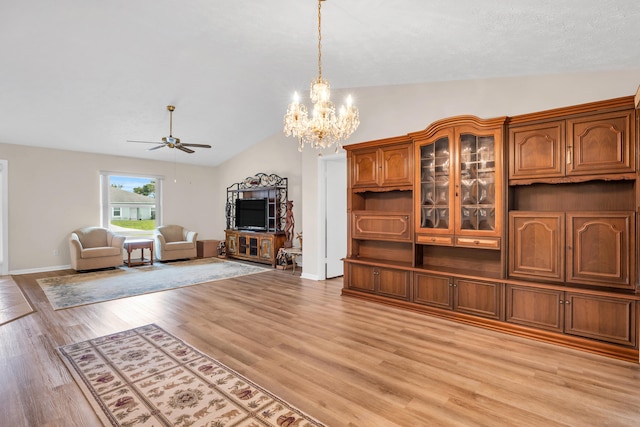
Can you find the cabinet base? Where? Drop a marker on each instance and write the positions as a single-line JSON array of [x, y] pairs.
[[596, 347]]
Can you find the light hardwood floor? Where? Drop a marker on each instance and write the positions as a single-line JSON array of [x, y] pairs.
[[345, 361]]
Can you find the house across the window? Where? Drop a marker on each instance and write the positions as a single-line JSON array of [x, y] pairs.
[[132, 205]]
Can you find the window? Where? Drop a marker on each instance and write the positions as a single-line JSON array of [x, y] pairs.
[[130, 203]]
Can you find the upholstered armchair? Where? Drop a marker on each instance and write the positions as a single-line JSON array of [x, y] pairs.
[[95, 247], [174, 242]]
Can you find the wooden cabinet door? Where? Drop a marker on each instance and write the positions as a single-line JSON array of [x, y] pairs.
[[602, 318], [266, 248], [603, 143], [232, 243], [436, 291], [538, 308], [365, 168], [536, 245], [391, 282], [600, 249], [360, 277], [394, 226], [396, 165], [434, 188], [478, 186], [482, 299], [537, 150]]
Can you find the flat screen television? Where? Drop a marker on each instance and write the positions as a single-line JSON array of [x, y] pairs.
[[251, 214]]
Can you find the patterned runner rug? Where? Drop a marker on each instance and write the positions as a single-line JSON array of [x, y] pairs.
[[148, 377], [88, 288]]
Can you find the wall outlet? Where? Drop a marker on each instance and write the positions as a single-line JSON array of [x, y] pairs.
[[56, 252]]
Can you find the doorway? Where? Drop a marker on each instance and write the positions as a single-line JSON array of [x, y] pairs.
[[4, 218], [333, 230]]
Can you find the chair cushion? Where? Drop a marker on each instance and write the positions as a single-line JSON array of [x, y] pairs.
[[175, 246], [100, 252]]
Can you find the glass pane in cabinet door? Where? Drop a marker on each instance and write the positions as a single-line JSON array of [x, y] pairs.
[[486, 218], [434, 181], [468, 156], [486, 153]]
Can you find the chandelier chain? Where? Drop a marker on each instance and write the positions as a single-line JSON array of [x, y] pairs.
[[319, 42]]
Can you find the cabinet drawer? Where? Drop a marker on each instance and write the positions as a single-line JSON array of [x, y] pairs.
[[381, 225], [434, 240], [479, 242]]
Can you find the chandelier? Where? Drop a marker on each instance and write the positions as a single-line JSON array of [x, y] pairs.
[[324, 128]]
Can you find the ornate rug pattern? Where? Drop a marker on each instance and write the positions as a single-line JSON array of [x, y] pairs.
[[88, 288], [148, 377]]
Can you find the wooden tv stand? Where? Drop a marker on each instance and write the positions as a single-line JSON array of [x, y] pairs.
[[254, 246]]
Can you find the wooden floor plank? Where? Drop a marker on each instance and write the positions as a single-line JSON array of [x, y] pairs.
[[346, 361]]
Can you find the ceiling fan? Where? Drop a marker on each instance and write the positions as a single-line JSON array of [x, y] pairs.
[[171, 141]]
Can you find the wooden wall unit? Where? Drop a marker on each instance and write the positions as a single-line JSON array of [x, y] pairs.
[[525, 225]]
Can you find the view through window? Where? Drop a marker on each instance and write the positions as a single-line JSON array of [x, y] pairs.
[[130, 204]]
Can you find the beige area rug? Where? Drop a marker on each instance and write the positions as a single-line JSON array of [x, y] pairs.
[[148, 377], [89, 288]]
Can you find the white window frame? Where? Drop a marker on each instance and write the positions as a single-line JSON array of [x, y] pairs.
[[104, 194]]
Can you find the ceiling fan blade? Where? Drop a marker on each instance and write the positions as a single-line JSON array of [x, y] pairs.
[[156, 147], [196, 145], [185, 149], [145, 142]]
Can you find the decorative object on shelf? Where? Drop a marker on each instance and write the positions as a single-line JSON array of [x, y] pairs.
[[289, 224], [324, 129], [171, 141], [299, 237]]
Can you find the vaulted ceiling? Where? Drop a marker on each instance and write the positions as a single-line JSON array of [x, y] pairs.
[[87, 75]]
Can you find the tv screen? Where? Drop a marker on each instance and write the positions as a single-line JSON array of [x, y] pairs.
[[251, 214]]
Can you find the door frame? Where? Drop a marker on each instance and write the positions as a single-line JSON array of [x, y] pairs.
[[322, 211], [4, 217]]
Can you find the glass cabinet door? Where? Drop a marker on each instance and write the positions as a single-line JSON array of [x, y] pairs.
[[436, 185], [477, 207]]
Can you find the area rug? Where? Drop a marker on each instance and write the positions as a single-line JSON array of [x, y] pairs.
[[148, 377], [88, 288]]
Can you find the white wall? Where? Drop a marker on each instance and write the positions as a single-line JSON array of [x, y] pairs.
[[52, 192]]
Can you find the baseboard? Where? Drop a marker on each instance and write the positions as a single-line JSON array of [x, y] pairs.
[[39, 270], [310, 276]]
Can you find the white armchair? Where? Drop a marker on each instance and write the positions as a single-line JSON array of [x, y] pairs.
[[95, 247], [174, 242]]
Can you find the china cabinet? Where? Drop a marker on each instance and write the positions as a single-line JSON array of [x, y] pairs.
[[524, 225], [460, 183]]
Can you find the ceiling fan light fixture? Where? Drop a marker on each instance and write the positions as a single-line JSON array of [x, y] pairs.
[[171, 141], [324, 128]]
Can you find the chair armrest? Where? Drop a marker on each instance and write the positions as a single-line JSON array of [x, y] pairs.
[[160, 239], [75, 246], [118, 241], [191, 236]]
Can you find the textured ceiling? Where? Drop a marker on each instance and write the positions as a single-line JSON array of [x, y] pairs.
[[87, 75]]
